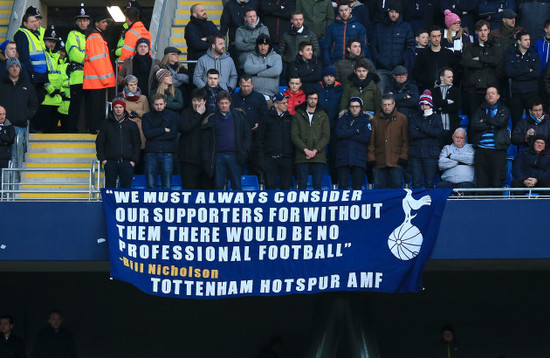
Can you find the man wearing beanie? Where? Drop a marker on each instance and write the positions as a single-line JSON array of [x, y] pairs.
[[264, 65], [392, 44], [425, 131], [139, 65], [118, 145], [532, 165], [388, 152], [136, 30]]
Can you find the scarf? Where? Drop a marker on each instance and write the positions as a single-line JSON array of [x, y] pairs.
[[131, 96], [445, 116]]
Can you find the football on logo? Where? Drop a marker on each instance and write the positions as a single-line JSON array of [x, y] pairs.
[[405, 241]]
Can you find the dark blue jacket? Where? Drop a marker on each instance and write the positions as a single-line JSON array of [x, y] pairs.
[[524, 70], [194, 31], [406, 96], [353, 136], [158, 140], [529, 164], [532, 14], [393, 44], [329, 98], [424, 135], [488, 10], [338, 33], [253, 105]]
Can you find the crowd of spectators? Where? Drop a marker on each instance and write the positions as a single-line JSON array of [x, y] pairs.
[[419, 93]]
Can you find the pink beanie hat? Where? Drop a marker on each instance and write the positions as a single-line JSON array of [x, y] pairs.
[[450, 18]]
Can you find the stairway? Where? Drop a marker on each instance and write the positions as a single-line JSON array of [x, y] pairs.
[[6, 7], [213, 10], [65, 159]]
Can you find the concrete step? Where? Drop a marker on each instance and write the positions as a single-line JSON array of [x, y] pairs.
[[49, 165], [53, 196], [60, 157], [46, 180], [61, 137], [51, 147]]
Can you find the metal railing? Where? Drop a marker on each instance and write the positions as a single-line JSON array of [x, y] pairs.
[[500, 193]]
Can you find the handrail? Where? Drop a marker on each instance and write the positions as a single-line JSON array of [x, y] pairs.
[[159, 31]]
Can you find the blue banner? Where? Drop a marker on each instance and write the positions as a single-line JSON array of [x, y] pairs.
[[218, 244]]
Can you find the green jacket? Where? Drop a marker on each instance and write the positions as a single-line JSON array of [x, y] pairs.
[[314, 136], [370, 94], [318, 14]]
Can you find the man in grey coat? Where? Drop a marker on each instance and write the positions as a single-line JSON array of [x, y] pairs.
[[246, 35], [217, 58], [264, 66]]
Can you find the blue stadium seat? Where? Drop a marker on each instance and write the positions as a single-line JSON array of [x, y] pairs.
[[250, 182], [326, 182], [140, 182]]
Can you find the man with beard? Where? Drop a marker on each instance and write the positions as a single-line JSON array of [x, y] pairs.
[[216, 58], [264, 66], [363, 85]]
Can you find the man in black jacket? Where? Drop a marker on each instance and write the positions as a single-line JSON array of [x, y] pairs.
[[447, 100], [489, 135], [197, 32], [7, 137], [10, 344], [118, 144], [189, 127], [18, 97], [55, 341], [275, 146], [160, 127], [225, 143]]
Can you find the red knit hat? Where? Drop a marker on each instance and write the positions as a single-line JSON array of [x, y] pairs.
[[119, 100]]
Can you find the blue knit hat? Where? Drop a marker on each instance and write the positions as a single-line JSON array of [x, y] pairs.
[[329, 71]]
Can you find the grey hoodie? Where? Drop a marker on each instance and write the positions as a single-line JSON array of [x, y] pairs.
[[265, 71], [224, 64]]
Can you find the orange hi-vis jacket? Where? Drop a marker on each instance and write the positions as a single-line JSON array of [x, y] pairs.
[[133, 34], [98, 71]]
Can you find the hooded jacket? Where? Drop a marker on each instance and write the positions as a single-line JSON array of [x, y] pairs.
[[245, 39], [338, 33], [265, 71], [311, 136], [224, 64], [118, 140]]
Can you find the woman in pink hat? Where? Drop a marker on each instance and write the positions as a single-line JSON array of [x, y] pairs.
[[455, 37]]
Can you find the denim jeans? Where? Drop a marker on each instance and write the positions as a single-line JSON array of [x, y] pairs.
[[227, 167], [18, 146], [423, 168], [388, 178], [156, 163], [305, 169]]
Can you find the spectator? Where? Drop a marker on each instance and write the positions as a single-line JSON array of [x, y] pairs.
[[425, 131], [246, 35], [139, 65], [276, 16], [431, 60], [422, 39], [542, 46], [490, 136], [136, 105], [295, 94], [392, 44], [330, 94], [55, 341], [310, 135], [455, 37], [353, 133], [217, 58], [170, 61], [506, 34], [298, 33], [467, 9], [7, 138], [98, 73], [118, 145], [275, 148], [232, 17], [492, 10], [345, 26], [480, 60], [420, 14], [532, 165], [447, 100], [380, 9], [254, 106], [361, 13], [189, 149], [10, 344], [533, 14], [136, 31], [31, 51], [447, 346], [306, 66], [363, 85], [456, 161], [197, 32], [318, 14], [225, 143], [9, 49], [76, 52], [537, 122], [18, 98], [212, 88], [264, 66], [161, 130], [389, 146], [523, 68], [172, 94], [404, 92], [346, 66]]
